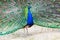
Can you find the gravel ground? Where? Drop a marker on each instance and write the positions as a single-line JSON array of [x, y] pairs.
[[34, 33]]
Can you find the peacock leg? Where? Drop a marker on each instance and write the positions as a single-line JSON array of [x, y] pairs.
[[27, 29]]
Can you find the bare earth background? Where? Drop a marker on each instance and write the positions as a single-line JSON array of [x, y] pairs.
[[34, 33]]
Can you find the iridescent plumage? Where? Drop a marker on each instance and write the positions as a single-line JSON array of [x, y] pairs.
[[15, 15]]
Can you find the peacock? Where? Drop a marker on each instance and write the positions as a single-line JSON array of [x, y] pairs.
[[17, 14]]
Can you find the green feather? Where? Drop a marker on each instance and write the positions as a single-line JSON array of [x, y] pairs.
[[26, 11]]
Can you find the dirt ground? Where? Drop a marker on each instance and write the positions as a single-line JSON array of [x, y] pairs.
[[34, 33]]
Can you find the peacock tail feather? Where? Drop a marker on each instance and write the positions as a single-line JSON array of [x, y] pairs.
[[14, 14]]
